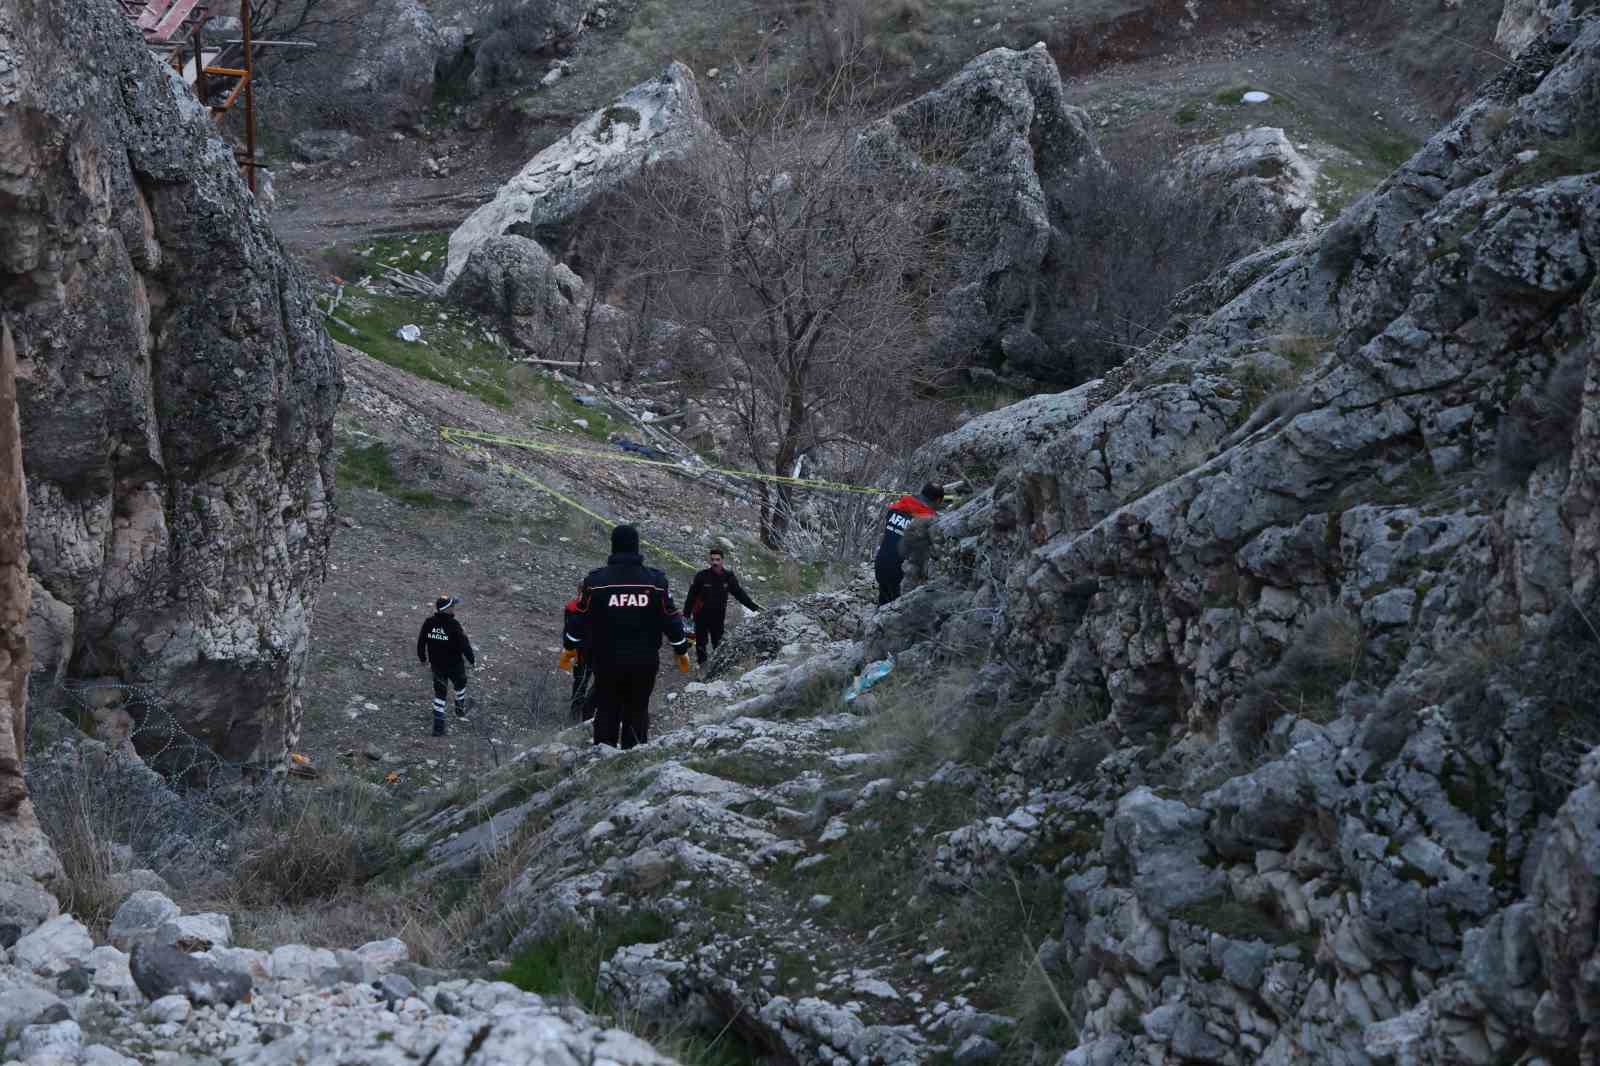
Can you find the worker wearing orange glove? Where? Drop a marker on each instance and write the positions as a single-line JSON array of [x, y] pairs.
[[623, 611], [574, 662]]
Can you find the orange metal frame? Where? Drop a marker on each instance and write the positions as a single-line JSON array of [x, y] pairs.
[[162, 22]]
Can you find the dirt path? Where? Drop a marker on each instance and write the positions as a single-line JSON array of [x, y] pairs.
[[514, 556]]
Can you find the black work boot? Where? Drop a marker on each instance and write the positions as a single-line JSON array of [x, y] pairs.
[[438, 727]]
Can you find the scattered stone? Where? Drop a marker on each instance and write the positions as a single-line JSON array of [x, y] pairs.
[[54, 947], [172, 1008], [196, 932], [975, 1050], [160, 970], [57, 1041], [140, 917], [75, 981]]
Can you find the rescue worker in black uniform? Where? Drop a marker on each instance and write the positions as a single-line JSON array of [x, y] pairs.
[[707, 603], [907, 509], [582, 704], [444, 646], [623, 612]]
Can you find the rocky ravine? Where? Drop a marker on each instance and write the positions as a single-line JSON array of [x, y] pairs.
[[1295, 613], [176, 388]]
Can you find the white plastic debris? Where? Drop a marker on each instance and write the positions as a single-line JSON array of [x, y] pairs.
[[409, 333], [1255, 96]]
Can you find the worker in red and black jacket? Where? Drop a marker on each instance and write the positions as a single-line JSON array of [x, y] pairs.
[[707, 603], [624, 609], [582, 675], [902, 512]]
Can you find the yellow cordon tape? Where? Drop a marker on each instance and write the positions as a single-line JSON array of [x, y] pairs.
[[469, 439], [455, 436], [524, 476]]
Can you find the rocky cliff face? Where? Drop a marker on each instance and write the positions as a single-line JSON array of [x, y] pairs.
[[176, 389], [1272, 656], [27, 864], [1327, 566]]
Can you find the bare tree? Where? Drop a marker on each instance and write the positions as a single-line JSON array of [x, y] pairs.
[[798, 273]]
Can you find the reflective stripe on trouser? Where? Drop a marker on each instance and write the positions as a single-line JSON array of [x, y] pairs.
[[456, 676], [438, 708]]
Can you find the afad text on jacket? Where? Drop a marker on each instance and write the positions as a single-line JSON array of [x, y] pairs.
[[902, 512], [622, 614]]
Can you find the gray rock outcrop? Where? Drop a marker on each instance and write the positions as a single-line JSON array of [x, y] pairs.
[[1002, 133], [1267, 189], [235, 1005], [515, 283], [659, 120], [393, 69], [28, 866], [1522, 21], [1331, 551], [176, 388]]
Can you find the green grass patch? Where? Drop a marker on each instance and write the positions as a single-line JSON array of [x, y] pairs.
[[1238, 921], [368, 466], [418, 253], [867, 873], [453, 350], [567, 963], [564, 408], [1577, 153], [761, 771]]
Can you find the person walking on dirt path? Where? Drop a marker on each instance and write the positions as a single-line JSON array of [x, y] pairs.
[[902, 512], [443, 645], [707, 603], [575, 660], [624, 610]]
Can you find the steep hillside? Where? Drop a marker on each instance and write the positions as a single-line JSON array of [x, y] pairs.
[[1246, 720]]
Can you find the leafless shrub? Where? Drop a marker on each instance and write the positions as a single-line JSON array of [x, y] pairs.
[[797, 274], [1539, 426], [314, 843], [1135, 240], [1326, 653]]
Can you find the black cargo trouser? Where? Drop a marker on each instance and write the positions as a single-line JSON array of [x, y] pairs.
[[890, 575], [707, 627], [443, 677], [622, 704], [583, 691]]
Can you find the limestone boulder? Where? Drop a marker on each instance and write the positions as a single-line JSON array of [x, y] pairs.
[[536, 301], [659, 120], [176, 388], [1266, 188], [1001, 131]]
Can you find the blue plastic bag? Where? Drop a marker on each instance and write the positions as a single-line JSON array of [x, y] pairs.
[[870, 675]]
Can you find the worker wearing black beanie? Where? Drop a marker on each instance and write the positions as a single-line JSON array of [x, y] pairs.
[[624, 610]]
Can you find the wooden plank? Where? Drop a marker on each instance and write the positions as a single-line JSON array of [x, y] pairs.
[[152, 13], [174, 18], [188, 68]]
